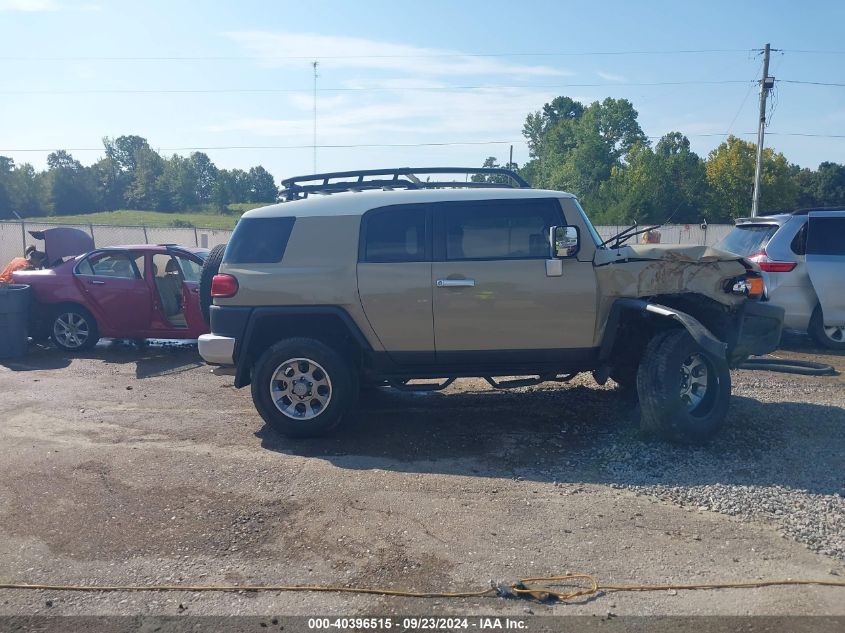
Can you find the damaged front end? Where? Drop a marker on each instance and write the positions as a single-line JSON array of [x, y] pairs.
[[715, 295]]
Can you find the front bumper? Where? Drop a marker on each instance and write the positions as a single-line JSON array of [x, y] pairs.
[[759, 327], [216, 349]]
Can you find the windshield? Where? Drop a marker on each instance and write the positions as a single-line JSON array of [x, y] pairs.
[[593, 233], [748, 239]]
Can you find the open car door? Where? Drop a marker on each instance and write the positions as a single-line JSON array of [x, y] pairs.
[[826, 263]]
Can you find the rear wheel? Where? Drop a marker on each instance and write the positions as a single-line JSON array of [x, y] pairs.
[[210, 267], [684, 392], [832, 337], [303, 388], [74, 329]]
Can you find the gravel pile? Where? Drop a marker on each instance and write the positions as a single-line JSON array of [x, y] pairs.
[[782, 462]]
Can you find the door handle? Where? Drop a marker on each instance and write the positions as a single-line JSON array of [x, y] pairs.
[[455, 283], [95, 282]]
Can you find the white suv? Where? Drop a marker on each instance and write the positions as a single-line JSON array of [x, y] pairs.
[[803, 254]]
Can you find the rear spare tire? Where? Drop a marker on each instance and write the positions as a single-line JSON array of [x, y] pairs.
[[209, 269], [684, 392]]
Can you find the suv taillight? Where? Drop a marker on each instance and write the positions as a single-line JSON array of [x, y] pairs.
[[224, 286], [769, 265]]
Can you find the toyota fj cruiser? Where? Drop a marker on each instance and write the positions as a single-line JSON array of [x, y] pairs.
[[378, 277]]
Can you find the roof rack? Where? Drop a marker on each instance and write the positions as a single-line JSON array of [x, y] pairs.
[[396, 178], [814, 209]]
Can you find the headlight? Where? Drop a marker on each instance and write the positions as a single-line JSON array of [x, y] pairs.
[[750, 285]]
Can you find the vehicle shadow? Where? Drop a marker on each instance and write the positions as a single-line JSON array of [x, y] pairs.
[[581, 435], [159, 358]]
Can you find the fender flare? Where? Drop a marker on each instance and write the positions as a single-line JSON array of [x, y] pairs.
[[699, 332]]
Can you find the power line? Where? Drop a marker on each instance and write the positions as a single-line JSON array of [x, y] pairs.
[[368, 88], [385, 145], [812, 83], [311, 58]]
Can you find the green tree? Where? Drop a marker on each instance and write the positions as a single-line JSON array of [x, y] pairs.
[[71, 187], [730, 176], [262, 186], [654, 186], [145, 191], [824, 187], [206, 175], [575, 148]]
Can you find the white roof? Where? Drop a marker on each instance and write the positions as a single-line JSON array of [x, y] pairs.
[[357, 203]]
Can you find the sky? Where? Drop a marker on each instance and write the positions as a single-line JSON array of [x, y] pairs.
[[406, 83]]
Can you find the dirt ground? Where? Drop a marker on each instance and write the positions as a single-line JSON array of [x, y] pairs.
[[130, 466]]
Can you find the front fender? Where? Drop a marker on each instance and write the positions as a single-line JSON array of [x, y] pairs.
[[703, 336]]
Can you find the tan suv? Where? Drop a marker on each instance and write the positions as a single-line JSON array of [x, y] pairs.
[[381, 277]]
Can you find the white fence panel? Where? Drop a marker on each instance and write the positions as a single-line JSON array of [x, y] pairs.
[[14, 236]]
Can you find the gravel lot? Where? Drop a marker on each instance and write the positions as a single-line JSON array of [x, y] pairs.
[[140, 466]]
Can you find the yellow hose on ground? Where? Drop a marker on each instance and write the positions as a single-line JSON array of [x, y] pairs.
[[540, 588]]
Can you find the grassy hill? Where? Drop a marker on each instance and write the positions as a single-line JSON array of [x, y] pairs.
[[131, 217]]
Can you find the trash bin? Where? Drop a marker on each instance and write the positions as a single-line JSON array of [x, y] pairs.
[[14, 319]]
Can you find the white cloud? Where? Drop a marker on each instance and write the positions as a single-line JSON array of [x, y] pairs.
[[30, 6], [276, 50], [42, 6], [405, 117], [611, 76]]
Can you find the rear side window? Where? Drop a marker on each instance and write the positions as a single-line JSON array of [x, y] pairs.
[[259, 241], [748, 239], [826, 236], [499, 229], [395, 234]]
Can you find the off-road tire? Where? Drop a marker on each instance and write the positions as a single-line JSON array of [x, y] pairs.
[[343, 379], [78, 312], [817, 333], [209, 269], [663, 412]]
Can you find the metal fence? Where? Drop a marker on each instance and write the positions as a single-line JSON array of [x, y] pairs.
[[15, 237]]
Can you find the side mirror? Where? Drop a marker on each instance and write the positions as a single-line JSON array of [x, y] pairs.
[[564, 241]]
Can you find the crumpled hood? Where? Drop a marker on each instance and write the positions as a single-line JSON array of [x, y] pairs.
[[667, 252]]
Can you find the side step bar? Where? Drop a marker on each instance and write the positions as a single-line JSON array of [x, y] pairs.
[[402, 385]]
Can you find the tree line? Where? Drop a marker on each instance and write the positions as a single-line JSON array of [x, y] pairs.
[[600, 153], [131, 175]]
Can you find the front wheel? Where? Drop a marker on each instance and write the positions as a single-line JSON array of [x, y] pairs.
[[831, 336], [684, 392], [303, 388], [73, 329]]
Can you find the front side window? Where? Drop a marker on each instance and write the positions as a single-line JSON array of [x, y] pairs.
[[494, 229], [395, 234], [108, 265]]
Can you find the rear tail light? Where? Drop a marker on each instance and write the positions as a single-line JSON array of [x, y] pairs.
[[224, 286], [769, 265]]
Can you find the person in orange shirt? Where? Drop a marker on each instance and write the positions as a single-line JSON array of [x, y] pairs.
[[33, 259]]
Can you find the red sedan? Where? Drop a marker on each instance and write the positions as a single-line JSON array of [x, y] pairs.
[[135, 292]]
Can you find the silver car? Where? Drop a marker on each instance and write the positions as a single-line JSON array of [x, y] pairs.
[[803, 256]]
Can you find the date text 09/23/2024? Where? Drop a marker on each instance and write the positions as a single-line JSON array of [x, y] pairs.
[[417, 623]]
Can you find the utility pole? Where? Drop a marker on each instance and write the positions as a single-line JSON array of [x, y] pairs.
[[314, 64], [766, 84]]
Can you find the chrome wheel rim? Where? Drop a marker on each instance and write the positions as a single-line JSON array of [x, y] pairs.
[[71, 330], [835, 333], [695, 379], [300, 389]]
